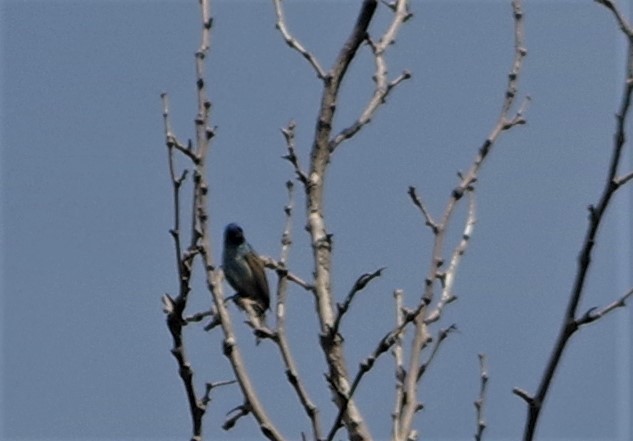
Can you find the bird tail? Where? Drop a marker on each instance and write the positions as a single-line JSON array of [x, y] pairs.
[[255, 312]]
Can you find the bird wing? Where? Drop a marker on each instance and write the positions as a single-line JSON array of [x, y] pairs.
[[259, 279]]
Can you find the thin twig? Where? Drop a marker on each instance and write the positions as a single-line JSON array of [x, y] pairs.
[[199, 316], [210, 386], [293, 42], [449, 276], [441, 336], [286, 237], [413, 194], [594, 314], [238, 412], [625, 27], [359, 285], [277, 266], [289, 136], [292, 373], [623, 179]]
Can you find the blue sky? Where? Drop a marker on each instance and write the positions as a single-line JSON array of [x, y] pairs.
[[86, 210]]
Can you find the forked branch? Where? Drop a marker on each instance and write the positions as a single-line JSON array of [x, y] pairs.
[[427, 311]]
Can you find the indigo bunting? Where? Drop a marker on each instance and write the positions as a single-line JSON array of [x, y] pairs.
[[245, 273]]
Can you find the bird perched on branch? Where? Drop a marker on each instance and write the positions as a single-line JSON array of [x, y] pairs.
[[245, 273]]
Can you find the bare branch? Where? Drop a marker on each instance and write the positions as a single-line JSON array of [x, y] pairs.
[[295, 381], [364, 367], [623, 179], [254, 320], [410, 405], [450, 275], [441, 336], [174, 308], [380, 97], [505, 122], [272, 264], [481, 399], [175, 323], [513, 77], [524, 395], [571, 323], [289, 136], [210, 386], [201, 245], [466, 184], [238, 413], [286, 237], [425, 212], [213, 323], [231, 349], [187, 151], [358, 34], [293, 42], [170, 139], [359, 285], [382, 86], [199, 316], [320, 239], [468, 179], [398, 361], [594, 314], [176, 185], [292, 373], [625, 27]]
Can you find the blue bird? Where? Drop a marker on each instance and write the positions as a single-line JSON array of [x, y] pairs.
[[245, 273]]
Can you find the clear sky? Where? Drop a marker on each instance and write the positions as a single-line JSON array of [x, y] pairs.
[[86, 208]]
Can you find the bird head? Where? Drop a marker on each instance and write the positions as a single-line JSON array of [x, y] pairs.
[[233, 234]]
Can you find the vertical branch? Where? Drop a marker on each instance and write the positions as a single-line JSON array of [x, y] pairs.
[[399, 366], [332, 345], [320, 158], [323, 146], [424, 315], [184, 259], [281, 339], [572, 320], [214, 276], [174, 308], [204, 132], [200, 244], [448, 277], [481, 399], [410, 404]]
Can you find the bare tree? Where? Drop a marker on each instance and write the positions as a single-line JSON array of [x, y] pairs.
[[193, 243]]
